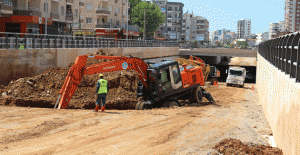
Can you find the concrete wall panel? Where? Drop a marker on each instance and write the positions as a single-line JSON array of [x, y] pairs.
[[30, 62], [21, 63], [279, 96]]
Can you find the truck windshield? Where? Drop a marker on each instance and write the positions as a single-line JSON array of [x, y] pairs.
[[236, 73]]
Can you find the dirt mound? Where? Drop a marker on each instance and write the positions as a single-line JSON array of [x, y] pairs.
[[43, 90], [230, 146]]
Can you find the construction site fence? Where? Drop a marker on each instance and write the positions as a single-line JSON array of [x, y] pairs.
[[33, 41], [283, 52]]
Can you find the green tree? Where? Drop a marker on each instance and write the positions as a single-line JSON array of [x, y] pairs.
[[133, 3], [154, 17]]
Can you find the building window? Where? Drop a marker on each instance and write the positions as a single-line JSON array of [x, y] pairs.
[[62, 10], [88, 20], [175, 8], [169, 29], [110, 8], [175, 15], [89, 7], [81, 4], [169, 21], [76, 13], [169, 8], [116, 1]]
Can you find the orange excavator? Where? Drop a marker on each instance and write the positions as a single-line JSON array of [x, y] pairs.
[[160, 84]]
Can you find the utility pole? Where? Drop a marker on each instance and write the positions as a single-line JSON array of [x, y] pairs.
[[127, 22], [46, 19], [144, 25]]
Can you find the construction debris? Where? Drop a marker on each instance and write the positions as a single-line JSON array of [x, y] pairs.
[[43, 90], [230, 146]]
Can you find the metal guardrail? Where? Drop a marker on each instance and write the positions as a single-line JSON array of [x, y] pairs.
[[33, 41], [283, 52]]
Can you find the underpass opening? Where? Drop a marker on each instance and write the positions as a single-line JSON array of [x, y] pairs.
[[222, 63], [250, 73]]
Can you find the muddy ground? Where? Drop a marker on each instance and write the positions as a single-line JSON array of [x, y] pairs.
[[191, 129]]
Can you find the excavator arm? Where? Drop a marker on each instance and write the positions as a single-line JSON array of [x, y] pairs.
[[79, 69]]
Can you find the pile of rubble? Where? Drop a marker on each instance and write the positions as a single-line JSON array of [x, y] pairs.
[[230, 146], [43, 90]]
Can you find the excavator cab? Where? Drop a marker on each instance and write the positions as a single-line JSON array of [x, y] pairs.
[[164, 78]]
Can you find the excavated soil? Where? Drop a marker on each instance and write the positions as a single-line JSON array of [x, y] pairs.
[[43, 90], [231, 146]]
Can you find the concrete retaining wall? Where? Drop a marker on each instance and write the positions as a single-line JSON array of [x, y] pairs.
[[219, 52], [30, 62], [279, 96]]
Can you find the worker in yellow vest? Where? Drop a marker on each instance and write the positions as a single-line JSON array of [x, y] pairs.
[[102, 90], [21, 45]]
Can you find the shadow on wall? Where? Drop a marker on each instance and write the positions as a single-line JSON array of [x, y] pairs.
[[10, 71]]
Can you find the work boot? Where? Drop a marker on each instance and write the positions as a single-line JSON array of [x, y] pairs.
[[102, 108], [96, 109]]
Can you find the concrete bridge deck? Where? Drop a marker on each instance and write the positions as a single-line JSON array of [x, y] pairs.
[[219, 52]]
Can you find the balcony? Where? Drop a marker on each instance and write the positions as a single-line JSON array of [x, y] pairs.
[[54, 15], [28, 12], [6, 8], [115, 14], [200, 23], [102, 11], [69, 1], [169, 24], [69, 17], [102, 25]]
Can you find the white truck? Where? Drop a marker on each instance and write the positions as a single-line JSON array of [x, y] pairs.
[[236, 76]]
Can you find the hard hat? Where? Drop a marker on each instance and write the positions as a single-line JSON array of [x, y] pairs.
[[100, 75]]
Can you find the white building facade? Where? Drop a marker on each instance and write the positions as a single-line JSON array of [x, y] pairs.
[[244, 28]]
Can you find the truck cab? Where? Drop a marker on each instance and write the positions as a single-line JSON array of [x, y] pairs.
[[236, 76]]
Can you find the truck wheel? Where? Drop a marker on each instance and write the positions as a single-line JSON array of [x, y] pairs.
[[241, 86], [170, 104], [197, 95]]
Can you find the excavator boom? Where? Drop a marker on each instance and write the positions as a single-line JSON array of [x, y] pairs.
[[79, 69]]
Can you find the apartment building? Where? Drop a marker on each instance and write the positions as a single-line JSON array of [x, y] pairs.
[[261, 37], [63, 16], [244, 28], [195, 28], [6, 8], [172, 25], [274, 29], [102, 14], [292, 15]]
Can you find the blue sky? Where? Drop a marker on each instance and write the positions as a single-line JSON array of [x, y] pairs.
[[261, 12]]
